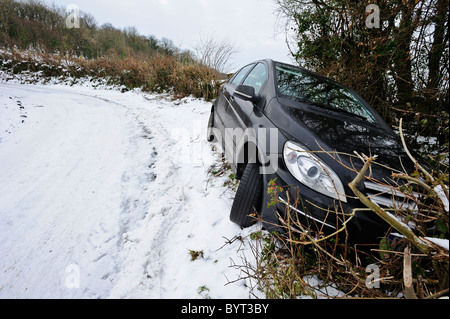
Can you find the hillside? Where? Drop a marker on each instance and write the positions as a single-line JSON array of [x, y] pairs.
[[31, 32]]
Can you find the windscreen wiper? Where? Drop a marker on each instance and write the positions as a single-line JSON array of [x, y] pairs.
[[327, 107], [338, 110], [335, 109]]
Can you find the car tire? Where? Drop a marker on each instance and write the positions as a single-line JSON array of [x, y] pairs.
[[210, 132], [248, 197]]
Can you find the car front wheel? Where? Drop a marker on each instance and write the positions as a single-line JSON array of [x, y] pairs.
[[247, 203]]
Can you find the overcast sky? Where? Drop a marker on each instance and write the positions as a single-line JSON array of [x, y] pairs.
[[250, 24]]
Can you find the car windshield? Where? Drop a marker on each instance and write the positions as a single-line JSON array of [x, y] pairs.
[[307, 88]]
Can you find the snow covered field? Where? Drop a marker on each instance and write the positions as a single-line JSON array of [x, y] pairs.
[[103, 195]]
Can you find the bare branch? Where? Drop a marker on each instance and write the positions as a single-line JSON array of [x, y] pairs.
[[409, 154], [215, 54], [407, 274]]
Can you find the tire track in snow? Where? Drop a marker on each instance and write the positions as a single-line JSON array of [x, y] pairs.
[[152, 198], [145, 245], [176, 221]]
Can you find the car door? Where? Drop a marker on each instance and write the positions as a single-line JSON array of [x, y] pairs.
[[227, 90], [243, 109], [224, 118], [240, 109]]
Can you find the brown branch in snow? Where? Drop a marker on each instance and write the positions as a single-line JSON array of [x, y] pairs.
[[407, 275]]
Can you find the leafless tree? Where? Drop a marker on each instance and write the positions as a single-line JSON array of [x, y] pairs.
[[214, 53]]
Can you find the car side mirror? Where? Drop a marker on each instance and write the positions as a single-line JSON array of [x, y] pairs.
[[246, 93]]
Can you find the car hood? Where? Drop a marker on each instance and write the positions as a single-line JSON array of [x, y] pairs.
[[317, 129]]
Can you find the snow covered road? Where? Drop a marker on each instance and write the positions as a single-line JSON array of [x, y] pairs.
[[103, 194]]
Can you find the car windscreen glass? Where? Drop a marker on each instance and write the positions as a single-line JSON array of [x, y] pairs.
[[307, 88]]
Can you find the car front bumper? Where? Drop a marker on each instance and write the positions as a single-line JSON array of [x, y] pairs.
[[290, 205]]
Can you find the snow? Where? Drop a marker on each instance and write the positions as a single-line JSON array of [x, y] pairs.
[[439, 241], [441, 194], [103, 194]]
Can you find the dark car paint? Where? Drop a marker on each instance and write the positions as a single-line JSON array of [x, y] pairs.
[[317, 129]]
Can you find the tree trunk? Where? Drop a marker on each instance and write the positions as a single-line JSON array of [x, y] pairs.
[[437, 48], [402, 57]]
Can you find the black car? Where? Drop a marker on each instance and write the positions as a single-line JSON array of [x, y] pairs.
[[281, 125]]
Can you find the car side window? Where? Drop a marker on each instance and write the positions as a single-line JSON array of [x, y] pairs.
[[237, 78], [257, 77]]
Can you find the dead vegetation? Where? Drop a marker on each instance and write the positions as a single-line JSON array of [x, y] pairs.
[[159, 73]]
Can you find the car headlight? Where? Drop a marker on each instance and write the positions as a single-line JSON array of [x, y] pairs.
[[312, 172]]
